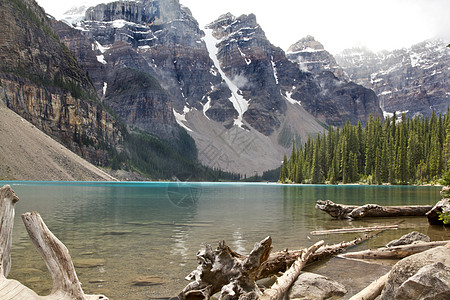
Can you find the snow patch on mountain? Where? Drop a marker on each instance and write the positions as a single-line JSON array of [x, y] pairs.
[[239, 102], [181, 118]]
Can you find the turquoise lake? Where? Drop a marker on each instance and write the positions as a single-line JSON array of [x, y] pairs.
[[119, 232]]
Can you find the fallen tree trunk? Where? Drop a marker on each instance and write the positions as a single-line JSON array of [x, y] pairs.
[[373, 290], [282, 285], [396, 252], [341, 211], [282, 260], [433, 216]]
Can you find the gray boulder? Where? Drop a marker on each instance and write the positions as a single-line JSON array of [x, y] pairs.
[[409, 238], [314, 287], [409, 266], [431, 282]]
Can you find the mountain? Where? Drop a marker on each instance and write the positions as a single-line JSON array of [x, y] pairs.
[[238, 96], [312, 57], [411, 80], [339, 99], [42, 81], [26, 153]]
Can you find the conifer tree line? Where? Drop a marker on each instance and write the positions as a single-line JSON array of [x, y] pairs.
[[396, 151]]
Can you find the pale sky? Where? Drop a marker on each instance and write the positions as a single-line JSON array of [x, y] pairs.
[[337, 24]]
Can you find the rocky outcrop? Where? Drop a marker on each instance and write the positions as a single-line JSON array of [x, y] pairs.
[[339, 98], [412, 80], [312, 57], [42, 81], [431, 282], [159, 40], [315, 287], [409, 238], [406, 269]]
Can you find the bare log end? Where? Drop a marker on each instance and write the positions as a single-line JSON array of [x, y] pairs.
[[6, 192]]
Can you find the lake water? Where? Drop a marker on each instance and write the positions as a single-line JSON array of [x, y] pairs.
[[129, 230]]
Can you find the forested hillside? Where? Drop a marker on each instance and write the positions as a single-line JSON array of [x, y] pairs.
[[398, 151]]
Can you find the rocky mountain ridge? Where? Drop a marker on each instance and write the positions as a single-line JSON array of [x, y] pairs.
[[147, 64], [312, 57], [222, 83], [42, 82], [411, 80]]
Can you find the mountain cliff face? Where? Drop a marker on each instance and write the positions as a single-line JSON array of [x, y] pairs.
[[267, 80], [235, 93], [413, 80], [312, 57], [42, 82], [339, 99]]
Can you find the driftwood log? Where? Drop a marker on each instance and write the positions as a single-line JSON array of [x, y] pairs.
[[225, 271], [282, 285], [396, 252], [341, 211], [443, 206], [373, 290], [352, 230], [280, 261], [66, 285]]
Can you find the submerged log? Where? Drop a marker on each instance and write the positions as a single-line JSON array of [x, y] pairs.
[[396, 252], [341, 211], [352, 230], [66, 285], [282, 285]]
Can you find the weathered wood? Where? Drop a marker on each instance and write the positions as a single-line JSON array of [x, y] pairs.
[[7, 201], [350, 230], [442, 206], [225, 271], [397, 252], [282, 285], [57, 258], [65, 281], [341, 211], [373, 290], [280, 261]]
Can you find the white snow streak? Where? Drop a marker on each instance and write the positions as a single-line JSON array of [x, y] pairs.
[[289, 98], [275, 72], [105, 86], [206, 106], [101, 59], [247, 60], [239, 103], [180, 118], [99, 47]]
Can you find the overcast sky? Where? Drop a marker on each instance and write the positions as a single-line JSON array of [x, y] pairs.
[[337, 24]]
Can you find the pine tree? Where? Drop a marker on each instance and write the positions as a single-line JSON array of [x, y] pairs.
[[284, 170], [398, 151]]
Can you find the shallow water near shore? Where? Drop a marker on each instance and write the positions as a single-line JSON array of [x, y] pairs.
[[138, 240]]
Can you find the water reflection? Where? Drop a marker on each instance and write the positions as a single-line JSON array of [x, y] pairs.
[[180, 247], [156, 229]]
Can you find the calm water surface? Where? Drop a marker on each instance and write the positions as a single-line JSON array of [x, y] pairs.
[[118, 232]]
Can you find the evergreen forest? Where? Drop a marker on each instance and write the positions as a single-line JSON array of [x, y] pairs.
[[396, 151]]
